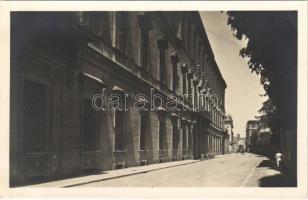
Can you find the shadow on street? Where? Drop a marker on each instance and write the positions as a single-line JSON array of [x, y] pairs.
[[278, 180]]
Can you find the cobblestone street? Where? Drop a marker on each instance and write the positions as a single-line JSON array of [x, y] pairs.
[[237, 170]]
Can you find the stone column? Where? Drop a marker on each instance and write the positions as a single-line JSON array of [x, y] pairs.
[[215, 144], [210, 143], [219, 145], [207, 142]]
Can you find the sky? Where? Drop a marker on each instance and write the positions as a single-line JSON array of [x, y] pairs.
[[242, 99]]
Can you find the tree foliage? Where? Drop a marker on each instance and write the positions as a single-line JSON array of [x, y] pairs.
[[272, 53]]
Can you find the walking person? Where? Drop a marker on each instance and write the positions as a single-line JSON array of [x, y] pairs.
[[278, 158]]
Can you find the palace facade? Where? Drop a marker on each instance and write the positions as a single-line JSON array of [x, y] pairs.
[[60, 60]]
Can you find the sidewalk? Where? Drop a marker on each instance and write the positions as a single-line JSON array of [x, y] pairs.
[[105, 175], [112, 174]]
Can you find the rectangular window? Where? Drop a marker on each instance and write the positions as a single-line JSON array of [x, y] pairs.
[[119, 130], [145, 25], [162, 66], [175, 77], [189, 137], [143, 131], [144, 49], [205, 63], [175, 136], [161, 133], [35, 117], [184, 135], [122, 22], [195, 47], [201, 58], [196, 106], [189, 38], [184, 84], [90, 117], [189, 91], [199, 53], [184, 30], [90, 126], [97, 23]]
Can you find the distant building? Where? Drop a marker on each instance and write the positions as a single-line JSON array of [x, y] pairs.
[[229, 132], [239, 143], [252, 132]]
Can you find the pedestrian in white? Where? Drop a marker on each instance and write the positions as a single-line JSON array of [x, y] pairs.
[[278, 158]]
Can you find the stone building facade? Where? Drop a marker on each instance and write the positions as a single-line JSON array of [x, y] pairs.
[[61, 60], [239, 144], [252, 133], [228, 122]]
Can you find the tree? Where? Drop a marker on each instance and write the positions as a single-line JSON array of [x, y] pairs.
[[272, 53]]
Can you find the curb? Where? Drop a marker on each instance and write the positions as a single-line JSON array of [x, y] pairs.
[[125, 175], [140, 172], [78, 183]]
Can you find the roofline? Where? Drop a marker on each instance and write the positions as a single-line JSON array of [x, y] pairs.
[[202, 30]]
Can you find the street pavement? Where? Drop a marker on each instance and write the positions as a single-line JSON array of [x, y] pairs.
[[236, 170]]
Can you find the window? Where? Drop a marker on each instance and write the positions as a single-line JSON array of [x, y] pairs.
[[120, 129], [195, 46], [175, 134], [184, 135], [143, 130], [120, 117], [122, 21], [144, 49], [161, 133], [189, 91], [201, 100], [189, 137], [207, 66], [35, 117], [90, 116], [184, 84], [174, 20], [90, 126], [196, 106], [162, 64], [98, 24], [184, 30], [199, 56], [189, 38], [175, 60], [145, 25], [162, 46]]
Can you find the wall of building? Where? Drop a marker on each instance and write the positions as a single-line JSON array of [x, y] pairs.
[[89, 56]]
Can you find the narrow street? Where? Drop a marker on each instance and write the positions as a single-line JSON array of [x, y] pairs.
[[237, 170]]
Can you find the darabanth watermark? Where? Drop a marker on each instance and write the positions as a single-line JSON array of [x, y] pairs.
[[141, 102]]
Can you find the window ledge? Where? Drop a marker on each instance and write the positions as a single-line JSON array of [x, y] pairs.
[[145, 150], [119, 151]]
